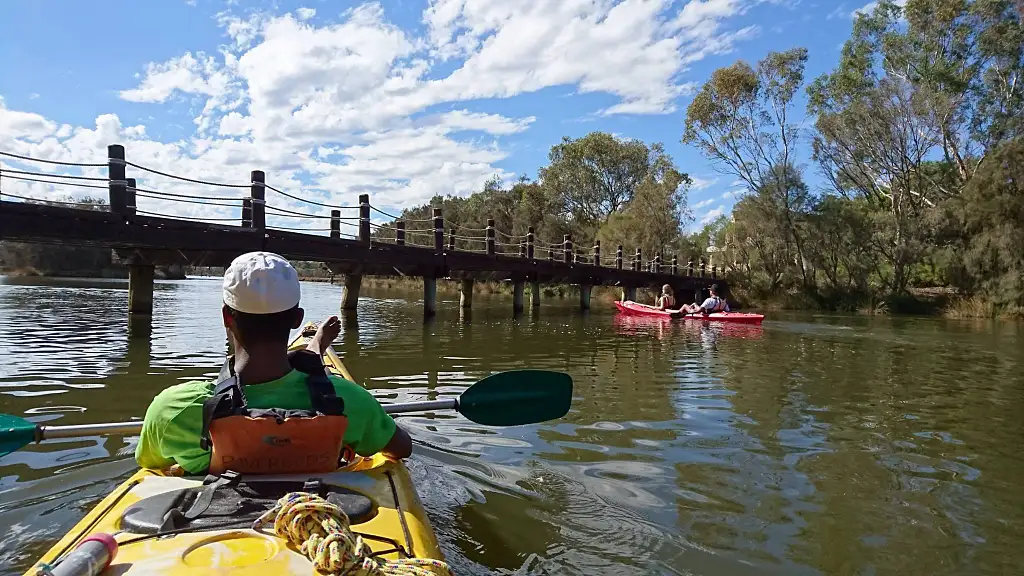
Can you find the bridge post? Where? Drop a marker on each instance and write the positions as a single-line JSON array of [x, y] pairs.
[[451, 239], [490, 236], [585, 296], [350, 294], [567, 253], [116, 174], [129, 198], [429, 297], [597, 252], [618, 257], [466, 297], [657, 263], [364, 218], [140, 289], [551, 254], [522, 248], [714, 272], [529, 243], [675, 265], [438, 231], [689, 267], [258, 194], [535, 294], [400, 232], [639, 260], [703, 267], [336, 224], [517, 296]]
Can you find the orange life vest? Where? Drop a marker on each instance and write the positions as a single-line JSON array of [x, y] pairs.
[[273, 440]]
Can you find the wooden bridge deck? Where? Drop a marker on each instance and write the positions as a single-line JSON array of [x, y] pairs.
[[147, 240]]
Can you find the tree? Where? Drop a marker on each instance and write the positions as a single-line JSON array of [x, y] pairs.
[[946, 82], [740, 119], [654, 218], [992, 211], [596, 175]]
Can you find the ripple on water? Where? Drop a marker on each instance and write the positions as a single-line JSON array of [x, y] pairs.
[[831, 445]]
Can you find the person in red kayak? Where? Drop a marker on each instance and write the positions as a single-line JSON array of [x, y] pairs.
[[713, 303], [667, 300], [270, 411]]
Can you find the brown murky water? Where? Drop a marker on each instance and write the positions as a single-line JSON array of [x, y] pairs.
[[812, 445]]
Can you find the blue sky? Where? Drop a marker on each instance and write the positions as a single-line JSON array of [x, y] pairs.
[[402, 99]]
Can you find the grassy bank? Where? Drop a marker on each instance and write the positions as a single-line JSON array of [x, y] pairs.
[[109, 272], [450, 287], [931, 301]]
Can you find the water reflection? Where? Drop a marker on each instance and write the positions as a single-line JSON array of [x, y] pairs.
[[811, 444]]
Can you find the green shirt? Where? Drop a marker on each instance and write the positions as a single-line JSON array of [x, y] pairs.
[[174, 420]]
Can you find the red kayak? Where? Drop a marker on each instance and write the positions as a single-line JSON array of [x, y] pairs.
[[637, 309]]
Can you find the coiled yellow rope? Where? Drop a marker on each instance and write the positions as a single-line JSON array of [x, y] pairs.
[[321, 531]]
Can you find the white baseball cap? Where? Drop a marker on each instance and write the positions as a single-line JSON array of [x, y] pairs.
[[261, 283]]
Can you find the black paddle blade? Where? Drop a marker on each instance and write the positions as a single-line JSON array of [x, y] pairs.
[[517, 397]]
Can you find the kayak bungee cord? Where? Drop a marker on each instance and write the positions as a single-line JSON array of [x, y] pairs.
[[321, 531]]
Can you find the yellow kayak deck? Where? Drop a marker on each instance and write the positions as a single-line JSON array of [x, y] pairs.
[[398, 527]]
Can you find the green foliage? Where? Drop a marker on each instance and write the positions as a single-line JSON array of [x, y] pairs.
[[918, 131], [596, 188]]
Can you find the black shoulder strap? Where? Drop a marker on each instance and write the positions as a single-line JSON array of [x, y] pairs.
[[228, 398], [322, 396]]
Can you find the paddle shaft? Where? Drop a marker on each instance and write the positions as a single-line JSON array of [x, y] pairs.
[[76, 430]]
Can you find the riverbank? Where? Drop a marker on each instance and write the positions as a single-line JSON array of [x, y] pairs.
[[930, 301], [161, 273], [446, 286]]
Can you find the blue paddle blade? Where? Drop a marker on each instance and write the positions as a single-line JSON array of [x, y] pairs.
[[14, 433], [517, 397]]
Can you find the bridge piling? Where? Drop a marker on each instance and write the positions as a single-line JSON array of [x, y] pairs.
[[429, 297], [535, 294], [585, 297], [466, 296], [140, 289], [517, 296]]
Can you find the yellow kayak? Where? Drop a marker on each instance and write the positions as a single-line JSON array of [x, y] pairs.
[[377, 494]]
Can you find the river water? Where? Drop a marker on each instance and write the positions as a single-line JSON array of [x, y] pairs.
[[814, 444]]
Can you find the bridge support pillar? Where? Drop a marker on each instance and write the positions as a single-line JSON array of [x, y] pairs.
[[629, 293], [350, 296], [140, 290], [466, 298], [429, 297], [535, 294], [517, 296], [697, 296], [584, 297]]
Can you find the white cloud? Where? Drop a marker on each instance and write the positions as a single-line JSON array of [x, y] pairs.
[[732, 194], [712, 214], [335, 107], [702, 183], [870, 7], [186, 74], [704, 203]]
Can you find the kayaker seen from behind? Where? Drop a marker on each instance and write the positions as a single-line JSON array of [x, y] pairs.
[[269, 412], [667, 300], [713, 303]]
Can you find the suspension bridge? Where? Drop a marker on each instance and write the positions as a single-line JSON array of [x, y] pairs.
[[210, 228]]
